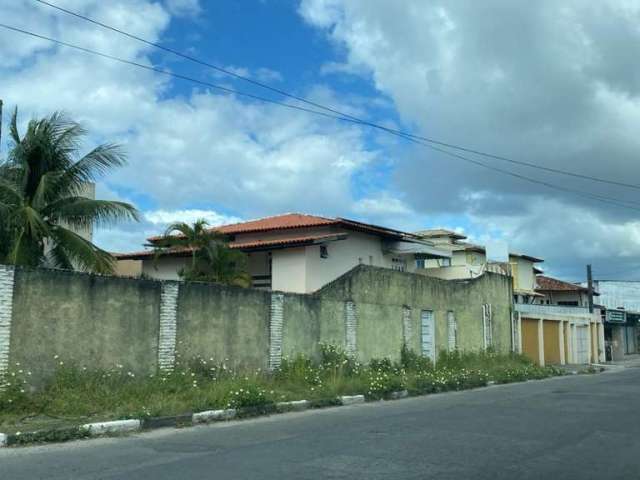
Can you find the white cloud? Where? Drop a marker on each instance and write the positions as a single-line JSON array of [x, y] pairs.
[[221, 153], [166, 217], [268, 75], [551, 83], [183, 8]]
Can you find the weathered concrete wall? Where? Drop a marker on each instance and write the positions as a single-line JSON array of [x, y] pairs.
[[228, 324], [101, 322], [381, 294], [90, 320]]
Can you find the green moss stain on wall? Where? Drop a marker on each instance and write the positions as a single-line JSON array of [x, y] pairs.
[[224, 323], [370, 285], [89, 320]]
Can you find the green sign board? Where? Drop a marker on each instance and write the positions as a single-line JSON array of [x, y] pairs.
[[616, 316]]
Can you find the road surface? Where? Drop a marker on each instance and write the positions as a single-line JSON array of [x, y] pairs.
[[579, 427]]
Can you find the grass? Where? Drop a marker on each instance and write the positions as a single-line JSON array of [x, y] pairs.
[[76, 394]]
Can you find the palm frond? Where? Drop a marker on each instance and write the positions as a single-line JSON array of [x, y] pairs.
[[13, 127], [83, 212], [81, 252], [92, 166]]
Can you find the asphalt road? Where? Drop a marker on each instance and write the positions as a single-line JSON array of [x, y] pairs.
[[578, 427]]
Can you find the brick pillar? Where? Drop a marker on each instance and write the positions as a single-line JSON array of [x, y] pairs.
[[7, 281], [168, 321], [276, 322], [407, 330], [350, 324]]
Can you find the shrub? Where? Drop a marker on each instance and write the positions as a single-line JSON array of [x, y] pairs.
[[412, 361], [299, 369], [384, 381], [14, 390], [247, 396], [335, 362]]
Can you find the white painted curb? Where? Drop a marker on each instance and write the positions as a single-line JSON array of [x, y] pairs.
[[118, 426], [293, 405], [3, 440], [213, 415], [351, 400]]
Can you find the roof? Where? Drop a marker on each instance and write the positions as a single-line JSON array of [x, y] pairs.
[[252, 245], [548, 284], [471, 247], [440, 232], [527, 257], [299, 220]]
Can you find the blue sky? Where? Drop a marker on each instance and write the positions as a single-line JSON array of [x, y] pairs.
[[555, 85]]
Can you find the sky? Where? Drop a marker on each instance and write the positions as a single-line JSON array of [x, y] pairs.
[[551, 83]]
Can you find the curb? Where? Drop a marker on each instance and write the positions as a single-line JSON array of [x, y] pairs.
[[116, 426], [213, 416], [293, 406], [351, 399]]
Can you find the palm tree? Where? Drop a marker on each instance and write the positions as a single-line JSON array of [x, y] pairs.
[[211, 258], [42, 201]]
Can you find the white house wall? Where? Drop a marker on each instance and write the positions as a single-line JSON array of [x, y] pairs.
[[165, 268], [526, 278], [343, 255], [288, 271]]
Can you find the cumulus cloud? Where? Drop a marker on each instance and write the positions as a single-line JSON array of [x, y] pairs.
[[184, 8], [219, 153], [166, 217], [546, 82]]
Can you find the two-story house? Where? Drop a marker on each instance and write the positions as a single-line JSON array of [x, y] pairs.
[[301, 253]]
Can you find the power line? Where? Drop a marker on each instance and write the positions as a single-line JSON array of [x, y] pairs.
[[335, 111], [591, 196]]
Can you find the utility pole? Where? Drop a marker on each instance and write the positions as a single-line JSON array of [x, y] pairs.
[[590, 288]]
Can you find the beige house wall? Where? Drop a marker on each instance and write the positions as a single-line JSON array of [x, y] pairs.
[[289, 270]]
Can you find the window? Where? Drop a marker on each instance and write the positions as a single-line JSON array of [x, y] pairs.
[[567, 303], [398, 264], [324, 253], [445, 262], [421, 263]]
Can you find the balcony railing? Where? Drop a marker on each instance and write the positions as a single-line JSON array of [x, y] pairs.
[[552, 310]]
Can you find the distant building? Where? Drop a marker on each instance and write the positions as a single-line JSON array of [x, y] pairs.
[[620, 301]]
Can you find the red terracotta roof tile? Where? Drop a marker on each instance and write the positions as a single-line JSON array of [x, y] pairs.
[[548, 284], [250, 245]]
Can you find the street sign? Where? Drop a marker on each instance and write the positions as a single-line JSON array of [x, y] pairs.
[[616, 316]]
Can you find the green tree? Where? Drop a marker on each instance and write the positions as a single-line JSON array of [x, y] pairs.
[[43, 204], [211, 258]]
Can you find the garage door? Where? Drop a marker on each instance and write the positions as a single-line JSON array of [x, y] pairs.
[[582, 345]]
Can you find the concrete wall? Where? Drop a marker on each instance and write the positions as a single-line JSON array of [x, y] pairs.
[[90, 320], [145, 325]]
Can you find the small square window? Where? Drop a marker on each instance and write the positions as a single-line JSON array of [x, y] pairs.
[[324, 253], [420, 263]]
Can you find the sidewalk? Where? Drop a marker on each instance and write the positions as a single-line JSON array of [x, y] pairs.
[[629, 361]]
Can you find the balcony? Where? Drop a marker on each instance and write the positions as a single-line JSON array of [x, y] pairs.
[[551, 311]]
